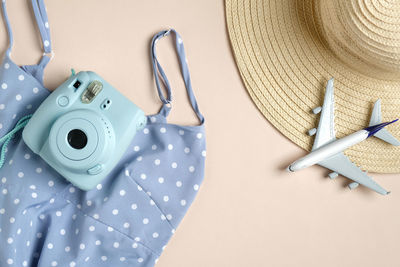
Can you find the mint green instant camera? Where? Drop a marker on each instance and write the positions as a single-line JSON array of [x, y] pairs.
[[83, 128]]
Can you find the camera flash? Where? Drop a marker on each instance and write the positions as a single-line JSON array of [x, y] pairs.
[[91, 92]]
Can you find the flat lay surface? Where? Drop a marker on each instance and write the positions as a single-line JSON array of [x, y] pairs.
[[249, 211]]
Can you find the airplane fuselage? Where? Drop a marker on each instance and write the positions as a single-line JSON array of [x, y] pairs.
[[328, 150]]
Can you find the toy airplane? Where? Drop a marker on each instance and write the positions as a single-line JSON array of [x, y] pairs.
[[327, 151]]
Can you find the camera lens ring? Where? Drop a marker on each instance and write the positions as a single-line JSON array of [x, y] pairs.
[[97, 145], [77, 139], [62, 147]]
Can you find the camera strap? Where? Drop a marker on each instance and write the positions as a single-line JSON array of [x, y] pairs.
[[5, 140]]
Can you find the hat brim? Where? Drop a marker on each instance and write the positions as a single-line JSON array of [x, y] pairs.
[[285, 65]]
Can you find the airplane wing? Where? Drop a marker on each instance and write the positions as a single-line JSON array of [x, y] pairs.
[[326, 127], [339, 163]]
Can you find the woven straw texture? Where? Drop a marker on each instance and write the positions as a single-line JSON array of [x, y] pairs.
[[286, 50]]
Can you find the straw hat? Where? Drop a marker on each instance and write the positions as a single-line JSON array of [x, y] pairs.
[[286, 50]]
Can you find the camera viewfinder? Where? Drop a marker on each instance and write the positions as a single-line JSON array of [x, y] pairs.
[[77, 84]]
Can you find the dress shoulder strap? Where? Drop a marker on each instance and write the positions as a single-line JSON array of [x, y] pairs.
[[159, 74], [40, 13]]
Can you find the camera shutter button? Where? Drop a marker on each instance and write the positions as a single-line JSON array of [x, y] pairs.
[[63, 101], [95, 170]]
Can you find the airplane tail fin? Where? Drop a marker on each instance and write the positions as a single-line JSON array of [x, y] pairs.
[[376, 118]]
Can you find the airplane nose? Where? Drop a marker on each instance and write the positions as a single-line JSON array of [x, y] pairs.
[[289, 168]]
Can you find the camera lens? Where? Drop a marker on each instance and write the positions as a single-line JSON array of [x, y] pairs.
[[77, 139]]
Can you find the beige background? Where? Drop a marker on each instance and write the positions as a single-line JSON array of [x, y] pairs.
[[249, 211]]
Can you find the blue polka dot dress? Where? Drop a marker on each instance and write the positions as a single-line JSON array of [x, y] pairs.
[[128, 218]]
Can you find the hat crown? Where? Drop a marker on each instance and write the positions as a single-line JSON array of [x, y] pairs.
[[365, 34]]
